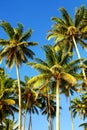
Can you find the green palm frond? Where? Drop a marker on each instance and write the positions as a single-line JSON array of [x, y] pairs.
[[74, 63], [28, 52], [39, 67], [4, 42], [56, 68], [50, 36], [79, 15], [39, 78], [56, 35], [40, 61], [26, 35], [20, 28], [66, 17], [59, 21], [82, 43], [9, 101], [8, 29], [50, 55], [69, 78], [31, 44]]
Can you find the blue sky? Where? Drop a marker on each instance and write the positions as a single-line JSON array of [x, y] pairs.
[[37, 16]]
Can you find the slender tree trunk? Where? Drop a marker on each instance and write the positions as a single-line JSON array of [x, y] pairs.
[[30, 121], [25, 118], [71, 111], [52, 127], [57, 106], [78, 54], [20, 108], [48, 109]]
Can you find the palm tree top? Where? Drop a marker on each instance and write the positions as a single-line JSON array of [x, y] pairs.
[[65, 28], [16, 47]]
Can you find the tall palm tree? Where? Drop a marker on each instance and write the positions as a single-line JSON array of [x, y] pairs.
[[57, 68], [15, 50], [69, 32], [30, 102], [48, 108]]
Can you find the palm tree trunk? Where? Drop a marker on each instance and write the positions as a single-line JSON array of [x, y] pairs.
[[30, 120], [52, 127], [19, 90], [78, 54], [25, 118], [57, 106], [71, 111]]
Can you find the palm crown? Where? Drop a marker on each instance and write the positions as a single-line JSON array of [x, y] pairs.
[[15, 49]]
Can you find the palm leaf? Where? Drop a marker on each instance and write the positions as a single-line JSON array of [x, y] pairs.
[[69, 78], [9, 101], [59, 21], [66, 17], [8, 29], [40, 61], [50, 55], [39, 67], [40, 78], [26, 36], [79, 15]]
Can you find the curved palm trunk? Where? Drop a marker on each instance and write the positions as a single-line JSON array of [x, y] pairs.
[[78, 54], [57, 106], [71, 111], [19, 90]]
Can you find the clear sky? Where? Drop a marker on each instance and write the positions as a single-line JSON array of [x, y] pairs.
[[36, 14]]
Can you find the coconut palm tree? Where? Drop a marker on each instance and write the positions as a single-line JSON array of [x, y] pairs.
[[9, 125], [48, 108], [68, 32], [30, 102], [55, 67], [7, 101], [78, 106], [15, 50]]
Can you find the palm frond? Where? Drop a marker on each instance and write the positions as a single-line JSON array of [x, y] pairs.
[[20, 28], [69, 78], [28, 52], [66, 17], [39, 67], [40, 61], [82, 43], [50, 55], [8, 29], [58, 21], [79, 15], [26, 36], [40, 77]]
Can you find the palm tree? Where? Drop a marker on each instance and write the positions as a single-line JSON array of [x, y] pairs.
[[68, 32], [48, 108], [10, 125], [57, 68], [16, 51], [30, 102], [7, 101], [78, 106]]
